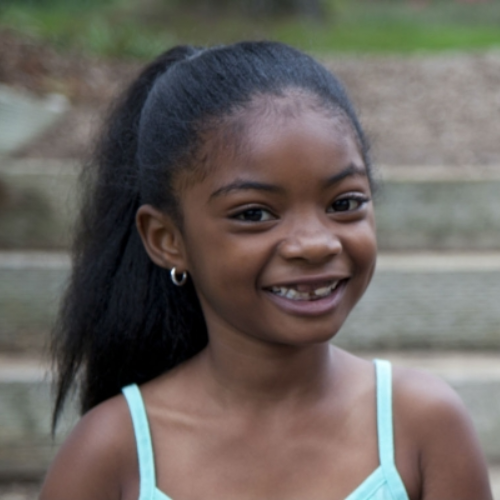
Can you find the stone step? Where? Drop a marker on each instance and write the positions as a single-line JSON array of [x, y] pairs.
[[31, 284], [26, 448], [23, 116], [438, 208], [418, 208], [440, 301], [26, 445], [38, 203]]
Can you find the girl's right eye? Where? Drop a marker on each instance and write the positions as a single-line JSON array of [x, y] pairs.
[[254, 215]]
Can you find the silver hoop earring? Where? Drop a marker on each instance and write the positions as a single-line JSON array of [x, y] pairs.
[[178, 281]]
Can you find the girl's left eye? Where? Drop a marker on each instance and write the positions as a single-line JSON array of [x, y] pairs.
[[254, 215], [349, 204]]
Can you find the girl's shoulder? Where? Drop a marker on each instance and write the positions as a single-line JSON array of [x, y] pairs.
[[432, 424], [426, 411], [97, 458], [421, 394]]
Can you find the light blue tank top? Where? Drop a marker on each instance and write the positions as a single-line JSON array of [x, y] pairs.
[[382, 484]]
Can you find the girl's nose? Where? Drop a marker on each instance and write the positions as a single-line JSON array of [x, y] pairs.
[[311, 241]]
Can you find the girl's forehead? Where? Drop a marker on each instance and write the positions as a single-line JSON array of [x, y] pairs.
[[263, 124], [265, 116], [298, 159]]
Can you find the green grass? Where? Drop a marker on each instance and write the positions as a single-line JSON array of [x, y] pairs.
[[142, 28], [106, 29], [392, 38]]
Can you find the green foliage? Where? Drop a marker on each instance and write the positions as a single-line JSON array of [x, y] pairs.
[[313, 9], [143, 28], [397, 26], [104, 28]]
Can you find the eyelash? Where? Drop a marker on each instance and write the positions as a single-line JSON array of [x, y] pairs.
[[359, 199], [240, 216]]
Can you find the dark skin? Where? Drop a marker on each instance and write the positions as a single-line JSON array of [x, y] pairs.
[[270, 409]]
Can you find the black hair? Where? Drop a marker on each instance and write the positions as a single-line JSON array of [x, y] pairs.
[[121, 320]]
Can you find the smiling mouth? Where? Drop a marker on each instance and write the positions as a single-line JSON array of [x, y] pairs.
[[305, 292]]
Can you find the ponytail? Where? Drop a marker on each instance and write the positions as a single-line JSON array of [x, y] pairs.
[[121, 319]]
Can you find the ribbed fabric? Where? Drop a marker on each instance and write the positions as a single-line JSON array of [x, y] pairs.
[[383, 484]]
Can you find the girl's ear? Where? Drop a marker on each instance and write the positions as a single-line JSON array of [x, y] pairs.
[[161, 238]]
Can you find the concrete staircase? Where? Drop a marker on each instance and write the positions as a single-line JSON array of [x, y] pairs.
[[432, 303]]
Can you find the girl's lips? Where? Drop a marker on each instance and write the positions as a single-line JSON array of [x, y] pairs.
[[311, 307]]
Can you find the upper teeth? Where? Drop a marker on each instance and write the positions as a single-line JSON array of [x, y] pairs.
[[293, 294]]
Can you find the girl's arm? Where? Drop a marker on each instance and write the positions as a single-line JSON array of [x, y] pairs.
[[451, 463], [92, 461]]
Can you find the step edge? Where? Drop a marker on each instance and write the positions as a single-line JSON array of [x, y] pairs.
[[386, 261], [457, 365]]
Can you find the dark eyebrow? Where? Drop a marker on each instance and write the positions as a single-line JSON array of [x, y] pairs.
[[243, 185], [351, 170]]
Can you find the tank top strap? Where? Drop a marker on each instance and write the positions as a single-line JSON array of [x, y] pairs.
[[384, 412], [147, 479], [385, 430]]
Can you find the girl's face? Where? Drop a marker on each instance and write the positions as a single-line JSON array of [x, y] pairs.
[[279, 235]]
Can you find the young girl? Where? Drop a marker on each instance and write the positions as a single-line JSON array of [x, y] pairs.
[[228, 233]]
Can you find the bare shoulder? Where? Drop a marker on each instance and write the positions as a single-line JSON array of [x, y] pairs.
[[431, 416], [420, 394], [96, 456]]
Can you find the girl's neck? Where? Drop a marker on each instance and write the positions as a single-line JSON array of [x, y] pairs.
[[262, 375]]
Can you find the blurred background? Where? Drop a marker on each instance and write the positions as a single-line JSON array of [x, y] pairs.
[[425, 78]]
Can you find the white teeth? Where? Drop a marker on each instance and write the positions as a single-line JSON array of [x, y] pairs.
[[279, 290], [322, 292], [293, 294]]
